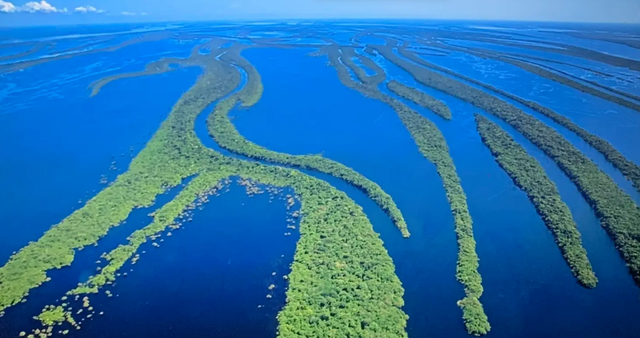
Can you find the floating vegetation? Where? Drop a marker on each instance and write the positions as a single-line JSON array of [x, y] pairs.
[[529, 176], [432, 145], [53, 315], [617, 212]]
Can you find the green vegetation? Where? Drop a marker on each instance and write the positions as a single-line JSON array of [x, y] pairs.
[[617, 212], [420, 98], [338, 256], [53, 315], [201, 186], [432, 145], [226, 135], [627, 167], [529, 176], [171, 155]]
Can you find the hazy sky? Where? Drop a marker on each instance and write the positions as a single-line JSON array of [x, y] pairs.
[[20, 12]]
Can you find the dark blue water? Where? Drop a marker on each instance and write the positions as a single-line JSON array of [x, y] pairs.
[[61, 146], [522, 265], [366, 135], [84, 265], [211, 276], [526, 280], [605, 119]]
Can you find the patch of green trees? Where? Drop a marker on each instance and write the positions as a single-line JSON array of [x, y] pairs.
[[529, 176], [420, 98], [433, 146], [228, 137], [627, 167], [170, 156], [617, 212], [347, 56], [342, 281]]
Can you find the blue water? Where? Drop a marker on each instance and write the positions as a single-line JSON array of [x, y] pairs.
[[212, 276], [620, 83], [614, 123], [61, 147], [526, 281], [367, 136], [606, 68]]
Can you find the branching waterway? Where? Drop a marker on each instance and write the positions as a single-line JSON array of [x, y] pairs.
[[318, 180]]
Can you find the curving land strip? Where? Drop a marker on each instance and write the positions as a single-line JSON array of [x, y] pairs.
[[338, 256], [227, 136]]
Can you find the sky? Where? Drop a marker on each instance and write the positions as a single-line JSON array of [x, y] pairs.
[[59, 12]]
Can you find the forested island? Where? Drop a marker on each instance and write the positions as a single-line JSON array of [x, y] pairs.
[[433, 146], [529, 176], [616, 210], [341, 281]]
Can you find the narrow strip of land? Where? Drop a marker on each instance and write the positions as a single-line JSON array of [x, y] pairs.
[[529, 176], [617, 212], [228, 137], [433, 147], [628, 168], [337, 253], [420, 98]]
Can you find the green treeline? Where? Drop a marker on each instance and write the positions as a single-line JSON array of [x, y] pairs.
[[617, 212], [529, 176], [170, 156], [204, 184], [228, 137], [432, 145], [338, 257], [252, 91], [627, 167], [420, 98]]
